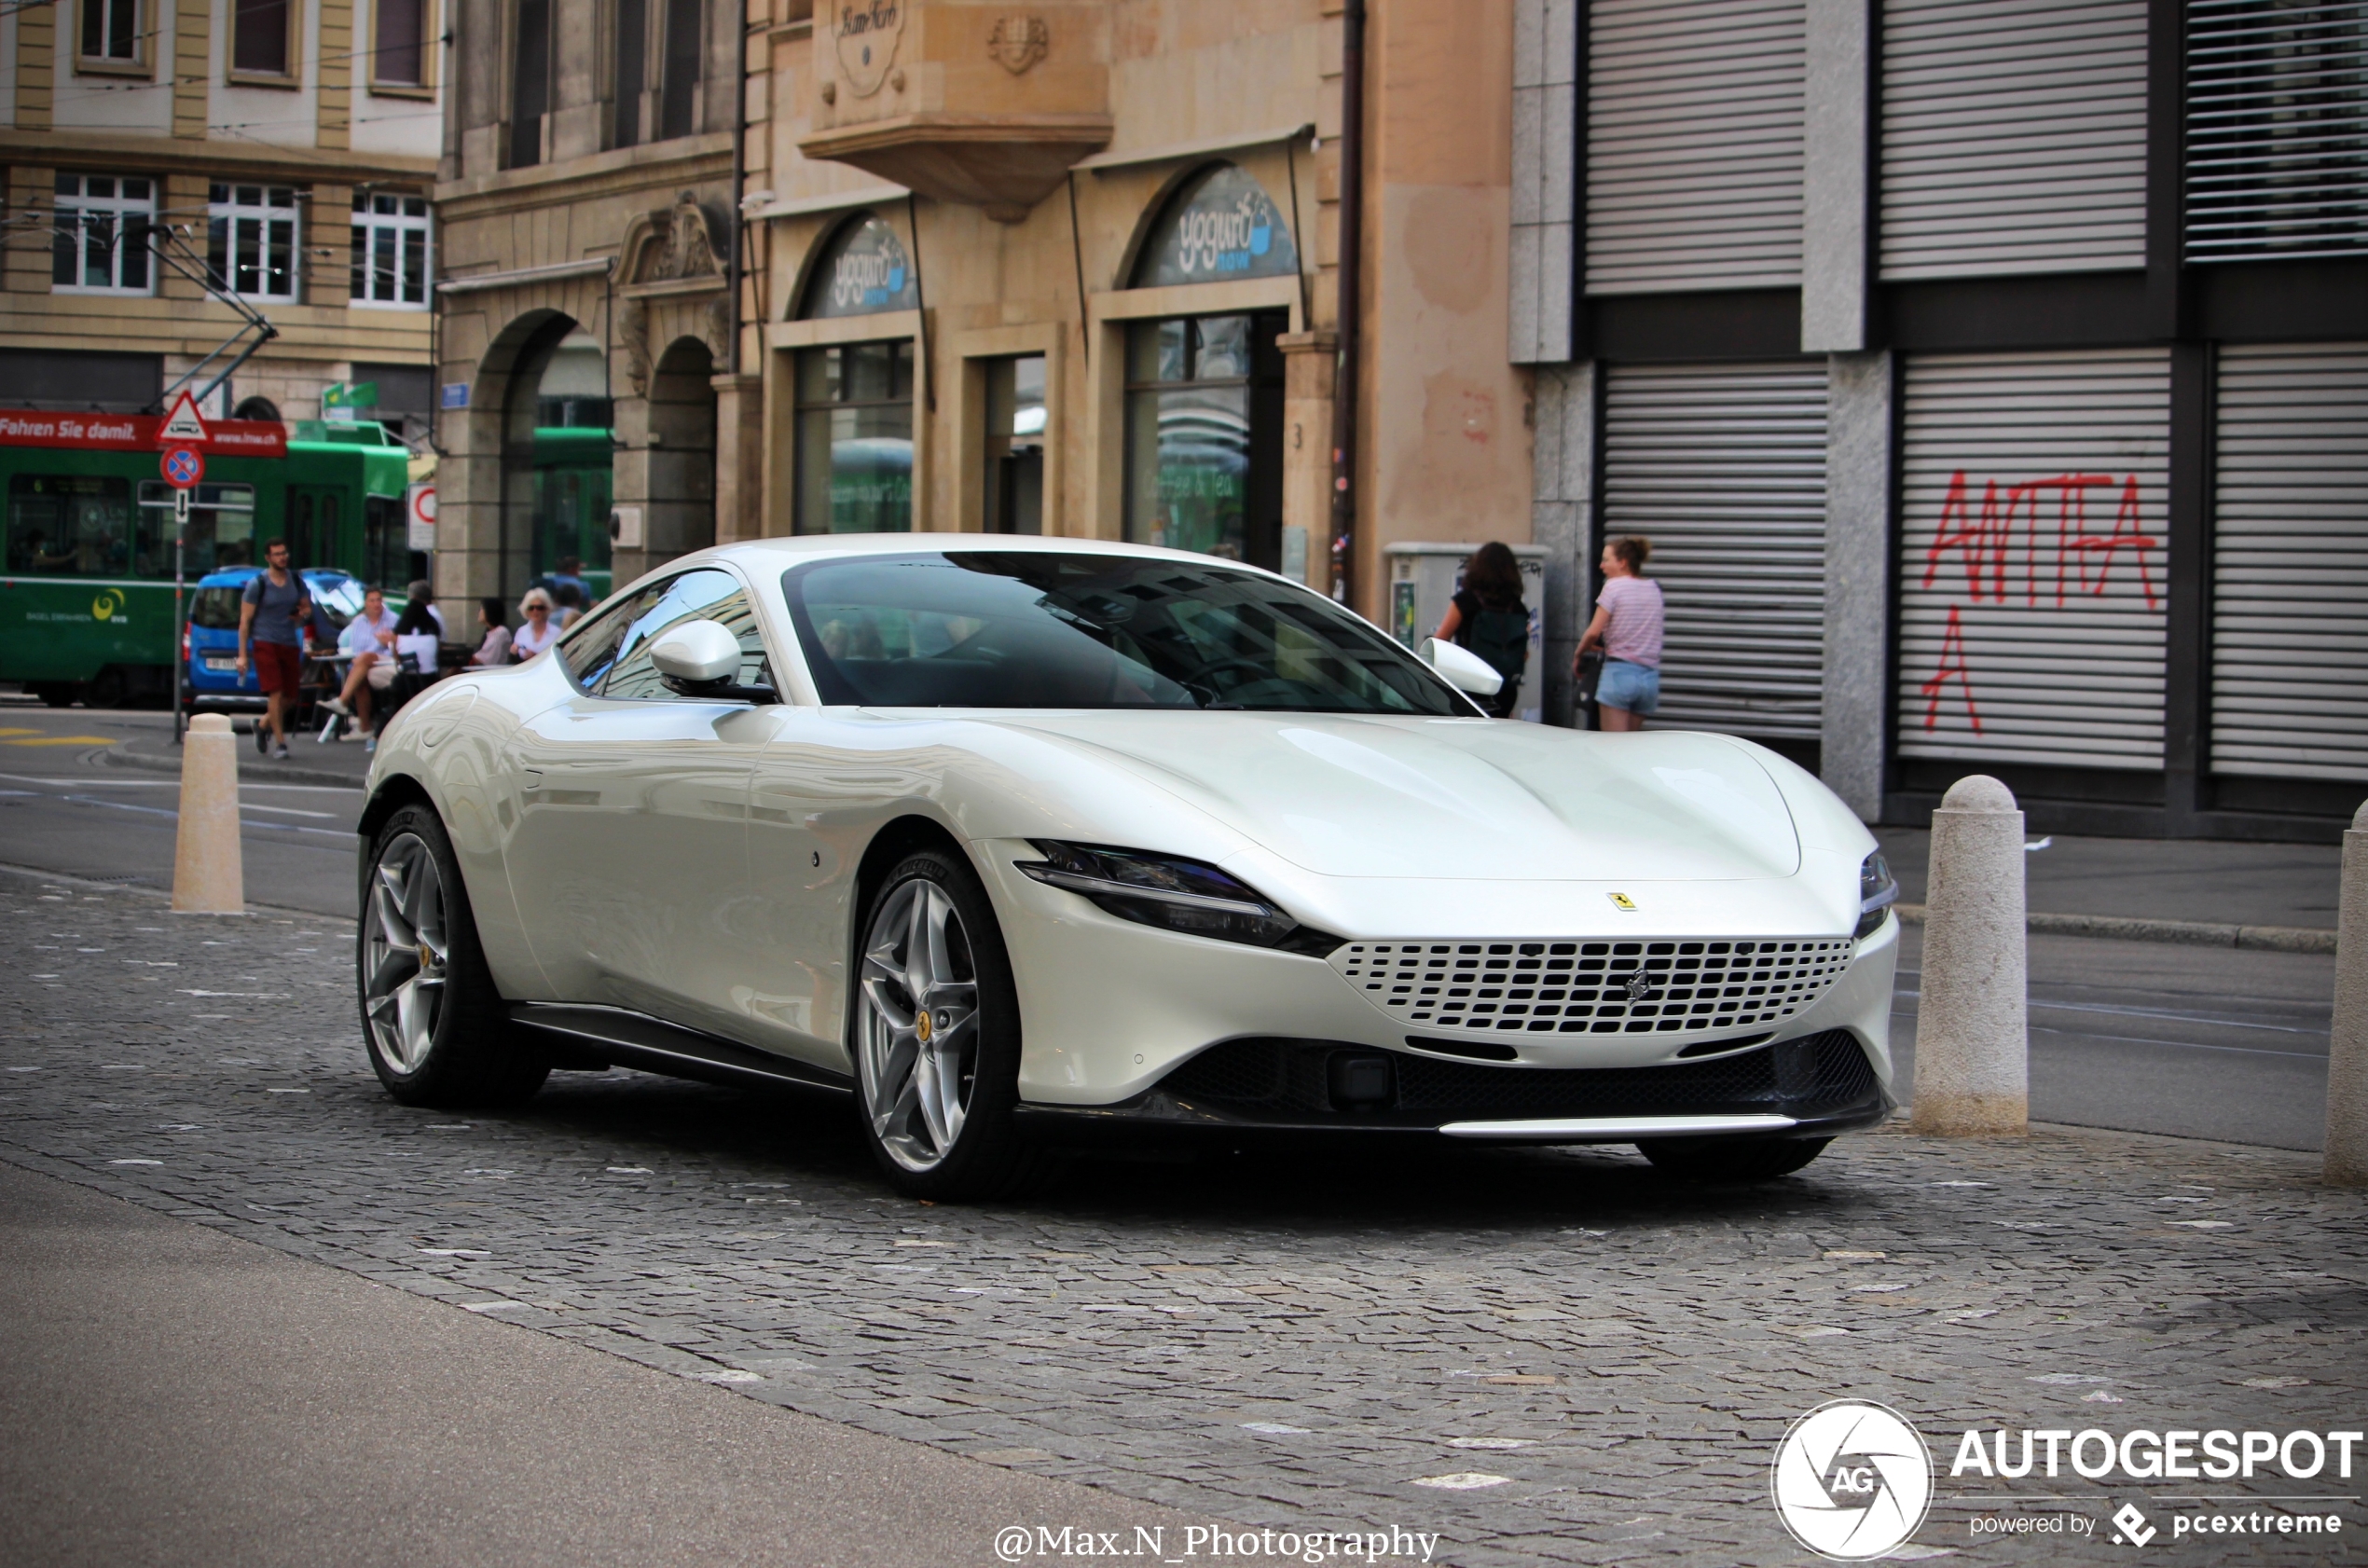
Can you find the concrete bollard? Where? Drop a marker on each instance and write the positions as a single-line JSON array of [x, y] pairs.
[[208, 875], [1973, 1040], [2347, 1159]]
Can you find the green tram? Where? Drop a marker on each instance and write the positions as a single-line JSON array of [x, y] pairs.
[[86, 588]]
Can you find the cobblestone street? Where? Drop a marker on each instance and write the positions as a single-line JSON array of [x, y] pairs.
[[1543, 1356]]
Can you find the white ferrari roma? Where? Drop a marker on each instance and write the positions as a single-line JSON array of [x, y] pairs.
[[1019, 842]]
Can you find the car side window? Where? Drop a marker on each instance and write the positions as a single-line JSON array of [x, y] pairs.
[[589, 649], [695, 595]]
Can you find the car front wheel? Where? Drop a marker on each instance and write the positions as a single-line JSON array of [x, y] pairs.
[[936, 1035], [439, 1032], [1732, 1159]]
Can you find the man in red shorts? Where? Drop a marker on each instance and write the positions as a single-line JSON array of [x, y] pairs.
[[271, 620]]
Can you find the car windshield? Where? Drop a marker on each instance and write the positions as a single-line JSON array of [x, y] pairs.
[[340, 596], [988, 628]]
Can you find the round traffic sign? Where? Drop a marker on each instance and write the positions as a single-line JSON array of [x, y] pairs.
[[183, 467]]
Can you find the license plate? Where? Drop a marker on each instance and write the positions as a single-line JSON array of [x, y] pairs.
[[222, 664]]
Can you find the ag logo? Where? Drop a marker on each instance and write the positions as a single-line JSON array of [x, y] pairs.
[[108, 605], [1852, 1479]]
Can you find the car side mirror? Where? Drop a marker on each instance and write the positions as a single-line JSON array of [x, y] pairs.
[[696, 653], [1461, 668]]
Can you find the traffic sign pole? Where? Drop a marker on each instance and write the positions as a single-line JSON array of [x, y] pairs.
[[182, 467]]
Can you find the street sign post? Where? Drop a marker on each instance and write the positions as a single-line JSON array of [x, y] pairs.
[[183, 466]]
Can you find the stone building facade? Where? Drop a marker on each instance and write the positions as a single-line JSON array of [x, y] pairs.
[[286, 147], [1069, 268]]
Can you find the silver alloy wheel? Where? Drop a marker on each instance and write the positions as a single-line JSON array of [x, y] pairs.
[[918, 1041], [406, 955]]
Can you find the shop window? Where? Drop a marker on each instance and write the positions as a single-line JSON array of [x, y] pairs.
[[1016, 414], [263, 39], [854, 438], [1203, 436], [111, 34], [399, 43], [251, 240], [391, 250], [101, 234]]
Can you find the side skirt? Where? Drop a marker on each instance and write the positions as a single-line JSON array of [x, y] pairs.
[[618, 1037]]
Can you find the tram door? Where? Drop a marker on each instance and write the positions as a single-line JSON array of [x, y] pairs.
[[313, 517]]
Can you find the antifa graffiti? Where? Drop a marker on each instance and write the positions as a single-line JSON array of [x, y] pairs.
[[2044, 528]]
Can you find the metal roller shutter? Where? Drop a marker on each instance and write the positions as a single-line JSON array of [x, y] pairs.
[[1694, 114], [2014, 136], [1723, 468], [2033, 563], [2276, 124], [2289, 563]]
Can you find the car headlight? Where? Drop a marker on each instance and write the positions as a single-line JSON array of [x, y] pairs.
[[1172, 893], [1878, 891]]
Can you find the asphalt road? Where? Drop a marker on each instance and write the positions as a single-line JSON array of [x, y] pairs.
[[61, 810], [2141, 1037]]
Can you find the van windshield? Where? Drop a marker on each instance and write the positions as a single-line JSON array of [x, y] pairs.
[[988, 628]]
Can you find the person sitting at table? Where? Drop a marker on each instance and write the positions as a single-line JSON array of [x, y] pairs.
[[368, 640], [495, 648], [540, 630]]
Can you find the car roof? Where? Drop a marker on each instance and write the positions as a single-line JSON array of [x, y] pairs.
[[779, 555]]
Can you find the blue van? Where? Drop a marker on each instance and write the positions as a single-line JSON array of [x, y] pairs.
[[211, 646]]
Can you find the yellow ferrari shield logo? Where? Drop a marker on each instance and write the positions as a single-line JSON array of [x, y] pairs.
[[1622, 901]]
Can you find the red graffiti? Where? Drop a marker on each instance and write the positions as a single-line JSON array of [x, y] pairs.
[[1952, 664], [1984, 543], [1985, 540]]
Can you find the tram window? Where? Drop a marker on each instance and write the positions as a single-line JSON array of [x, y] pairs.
[[70, 525], [220, 528]]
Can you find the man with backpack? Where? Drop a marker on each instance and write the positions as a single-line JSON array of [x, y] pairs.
[[1488, 618]]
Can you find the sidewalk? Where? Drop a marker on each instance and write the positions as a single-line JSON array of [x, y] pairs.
[[2207, 885]]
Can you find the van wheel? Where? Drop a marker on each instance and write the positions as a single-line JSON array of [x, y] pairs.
[[439, 1033]]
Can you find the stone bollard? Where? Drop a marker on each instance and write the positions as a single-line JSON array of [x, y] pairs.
[[2346, 1160], [207, 877], [1972, 1041]]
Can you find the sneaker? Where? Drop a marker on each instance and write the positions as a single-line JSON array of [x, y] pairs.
[[369, 743], [338, 707], [279, 753]]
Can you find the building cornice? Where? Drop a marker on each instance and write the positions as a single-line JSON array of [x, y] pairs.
[[686, 161], [101, 149]]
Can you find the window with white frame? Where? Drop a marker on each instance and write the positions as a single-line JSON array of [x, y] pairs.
[[391, 250], [111, 31], [102, 235], [252, 235]]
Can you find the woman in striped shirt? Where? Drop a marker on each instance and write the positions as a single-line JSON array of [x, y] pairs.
[[1628, 627]]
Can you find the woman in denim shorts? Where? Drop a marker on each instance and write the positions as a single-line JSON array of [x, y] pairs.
[[1628, 627]]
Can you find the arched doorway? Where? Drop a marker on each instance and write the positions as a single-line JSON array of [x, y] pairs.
[[555, 462], [680, 475], [1204, 392]]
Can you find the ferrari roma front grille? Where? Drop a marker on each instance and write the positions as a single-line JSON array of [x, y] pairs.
[[1641, 988]]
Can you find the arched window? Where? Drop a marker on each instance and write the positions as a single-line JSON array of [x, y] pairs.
[[256, 409], [1220, 225], [855, 400], [862, 272]]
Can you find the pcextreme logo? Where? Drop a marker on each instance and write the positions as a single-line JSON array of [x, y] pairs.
[[1852, 1479], [108, 605]]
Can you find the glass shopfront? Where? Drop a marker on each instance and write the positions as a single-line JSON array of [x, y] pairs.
[[854, 444]]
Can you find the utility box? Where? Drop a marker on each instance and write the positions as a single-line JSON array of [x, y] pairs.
[[1423, 580]]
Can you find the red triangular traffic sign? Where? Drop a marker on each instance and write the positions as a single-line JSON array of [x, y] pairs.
[[182, 423]]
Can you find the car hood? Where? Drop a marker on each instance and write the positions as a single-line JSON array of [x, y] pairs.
[[1457, 798]]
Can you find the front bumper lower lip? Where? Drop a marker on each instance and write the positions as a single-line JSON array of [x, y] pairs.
[[1619, 1129]]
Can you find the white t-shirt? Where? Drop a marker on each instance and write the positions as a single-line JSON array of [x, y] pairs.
[[524, 644], [361, 633]]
